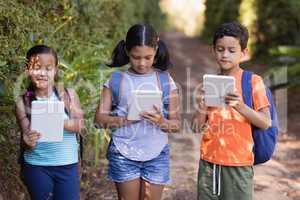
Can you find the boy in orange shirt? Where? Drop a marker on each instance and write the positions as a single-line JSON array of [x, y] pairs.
[[226, 157]]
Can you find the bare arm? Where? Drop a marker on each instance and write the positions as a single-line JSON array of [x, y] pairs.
[[103, 117], [30, 137], [260, 118], [22, 119], [76, 121]]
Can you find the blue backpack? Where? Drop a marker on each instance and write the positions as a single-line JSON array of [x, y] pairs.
[[163, 79], [264, 139]]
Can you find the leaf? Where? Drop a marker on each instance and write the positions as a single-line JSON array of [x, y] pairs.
[[294, 70], [3, 63], [64, 64], [286, 51]]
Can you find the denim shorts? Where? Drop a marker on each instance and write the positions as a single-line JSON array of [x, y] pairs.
[[122, 169]]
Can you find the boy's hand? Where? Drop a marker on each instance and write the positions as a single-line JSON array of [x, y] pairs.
[[31, 137], [155, 116], [234, 99]]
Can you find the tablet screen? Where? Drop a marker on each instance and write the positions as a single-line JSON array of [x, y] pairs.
[[216, 87], [47, 117], [143, 101]]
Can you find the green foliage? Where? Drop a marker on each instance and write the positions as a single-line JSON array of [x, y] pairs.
[[274, 28], [288, 61], [291, 51], [271, 23], [218, 12], [278, 23], [153, 14]]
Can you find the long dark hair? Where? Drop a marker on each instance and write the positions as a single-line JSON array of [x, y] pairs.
[[141, 35]]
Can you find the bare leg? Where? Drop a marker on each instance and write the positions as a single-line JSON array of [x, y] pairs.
[[129, 190], [151, 191]]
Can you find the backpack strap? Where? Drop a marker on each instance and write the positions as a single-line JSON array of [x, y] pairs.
[[27, 98], [164, 83], [247, 88], [63, 94], [115, 86]]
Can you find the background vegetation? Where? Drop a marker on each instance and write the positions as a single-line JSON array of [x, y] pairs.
[[274, 27], [83, 32]]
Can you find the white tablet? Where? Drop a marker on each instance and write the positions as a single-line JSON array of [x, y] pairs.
[[143, 101], [47, 117], [216, 87]]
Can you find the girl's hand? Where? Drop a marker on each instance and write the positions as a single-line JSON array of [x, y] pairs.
[[155, 116], [234, 99], [31, 137], [124, 121]]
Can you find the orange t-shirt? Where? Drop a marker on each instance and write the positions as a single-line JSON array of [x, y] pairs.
[[228, 138]]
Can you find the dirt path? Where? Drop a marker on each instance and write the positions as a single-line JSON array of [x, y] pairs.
[[279, 179], [191, 60]]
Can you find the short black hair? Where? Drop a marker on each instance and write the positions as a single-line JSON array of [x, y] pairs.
[[141, 35], [233, 29]]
